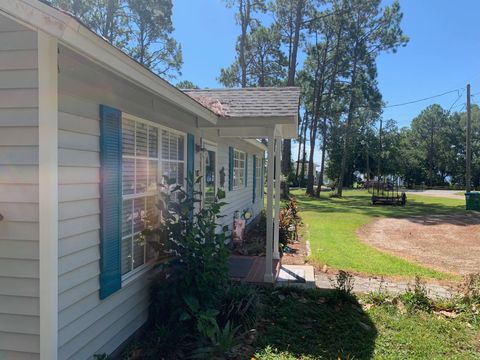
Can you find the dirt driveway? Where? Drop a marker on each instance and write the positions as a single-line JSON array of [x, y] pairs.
[[449, 194], [449, 243]]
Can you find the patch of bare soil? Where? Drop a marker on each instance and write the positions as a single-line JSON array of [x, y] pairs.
[[446, 195], [449, 243], [298, 253]]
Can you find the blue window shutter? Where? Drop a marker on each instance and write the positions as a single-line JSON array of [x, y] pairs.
[[111, 200], [246, 169], [230, 168], [254, 182], [190, 163]]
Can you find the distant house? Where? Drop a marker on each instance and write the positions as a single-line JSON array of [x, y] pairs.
[[86, 136]]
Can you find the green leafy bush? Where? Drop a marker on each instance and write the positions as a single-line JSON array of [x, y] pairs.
[[416, 298], [195, 311], [189, 289], [343, 284], [218, 343], [289, 223], [240, 306]]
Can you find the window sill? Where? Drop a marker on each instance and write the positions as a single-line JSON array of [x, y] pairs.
[[145, 268], [135, 274]]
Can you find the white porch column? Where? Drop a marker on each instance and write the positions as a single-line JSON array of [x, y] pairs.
[[278, 158], [268, 277]]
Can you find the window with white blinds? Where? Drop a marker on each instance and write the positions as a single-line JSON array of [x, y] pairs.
[[258, 179], [172, 162], [150, 154], [238, 168]]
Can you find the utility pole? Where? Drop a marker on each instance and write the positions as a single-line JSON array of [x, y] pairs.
[[469, 145]]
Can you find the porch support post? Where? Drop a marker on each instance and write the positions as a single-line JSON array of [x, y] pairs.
[[278, 158], [268, 277]]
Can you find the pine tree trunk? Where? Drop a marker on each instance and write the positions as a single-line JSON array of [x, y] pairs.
[[303, 125], [244, 10], [318, 94], [331, 88], [346, 141], [322, 166], [292, 68]]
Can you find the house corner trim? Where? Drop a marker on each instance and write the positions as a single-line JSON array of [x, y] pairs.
[[48, 193]]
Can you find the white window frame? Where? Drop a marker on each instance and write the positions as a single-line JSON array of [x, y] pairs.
[[209, 146], [134, 273], [239, 182]]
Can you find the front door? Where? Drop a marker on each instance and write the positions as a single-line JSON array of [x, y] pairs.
[[209, 174]]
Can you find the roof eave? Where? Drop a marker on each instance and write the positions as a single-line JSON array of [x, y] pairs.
[[75, 35]]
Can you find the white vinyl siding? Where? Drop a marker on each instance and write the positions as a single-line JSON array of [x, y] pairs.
[[88, 325], [19, 230], [238, 169], [241, 198]]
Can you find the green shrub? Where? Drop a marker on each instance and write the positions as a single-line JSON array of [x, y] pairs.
[[168, 341], [240, 306], [192, 237], [379, 296], [416, 298], [195, 311], [344, 282], [189, 289], [218, 343], [289, 223]]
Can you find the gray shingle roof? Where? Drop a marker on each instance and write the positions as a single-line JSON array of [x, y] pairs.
[[249, 102]]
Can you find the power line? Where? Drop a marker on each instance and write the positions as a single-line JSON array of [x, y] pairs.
[[460, 94], [464, 105], [424, 99]]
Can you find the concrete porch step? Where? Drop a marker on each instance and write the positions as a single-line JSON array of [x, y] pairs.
[[296, 275]]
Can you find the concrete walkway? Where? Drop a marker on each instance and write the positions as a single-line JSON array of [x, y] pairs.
[[364, 285]]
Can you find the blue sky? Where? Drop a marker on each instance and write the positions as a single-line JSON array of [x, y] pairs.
[[443, 53]]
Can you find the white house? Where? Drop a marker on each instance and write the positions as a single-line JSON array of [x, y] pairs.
[[86, 134]]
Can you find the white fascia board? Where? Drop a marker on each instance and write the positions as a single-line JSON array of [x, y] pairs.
[[244, 132], [256, 143], [287, 131], [266, 121], [73, 34]]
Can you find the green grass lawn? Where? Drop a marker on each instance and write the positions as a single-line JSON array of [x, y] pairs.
[[313, 325], [331, 226]]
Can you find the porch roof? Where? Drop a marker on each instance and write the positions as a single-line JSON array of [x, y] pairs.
[[251, 102], [251, 112]]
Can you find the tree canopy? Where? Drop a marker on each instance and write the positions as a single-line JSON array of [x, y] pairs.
[[142, 29]]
